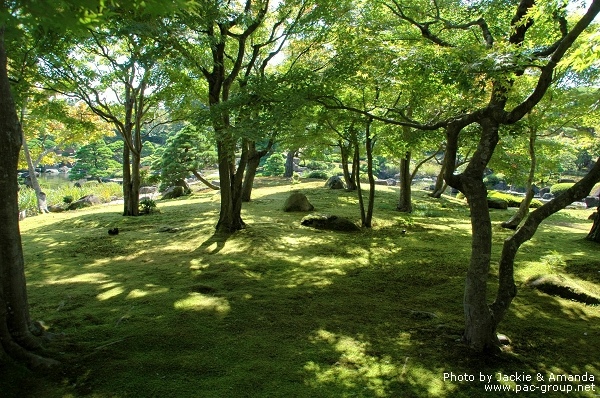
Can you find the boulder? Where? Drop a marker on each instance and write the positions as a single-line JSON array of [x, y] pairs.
[[335, 182], [173, 192], [55, 209], [544, 191], [86, 201], [547, 196], [592, 201], [556, 286], [497, 203], [148, 190], [297, 201], [329, 222]]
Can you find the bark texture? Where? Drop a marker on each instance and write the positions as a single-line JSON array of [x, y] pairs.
[[16, 338]]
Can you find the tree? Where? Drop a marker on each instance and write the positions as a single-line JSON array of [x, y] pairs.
[[117, 74], [491, 68], [187, 152], [94, 160]]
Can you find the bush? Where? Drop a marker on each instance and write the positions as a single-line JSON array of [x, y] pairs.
[[147, 206], [274, 165], [320, 174], [317, 165], [558, 189], [68, 199]]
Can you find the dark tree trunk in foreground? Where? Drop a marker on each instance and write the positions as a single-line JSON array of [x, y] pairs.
[[405, 203], [16, 338]]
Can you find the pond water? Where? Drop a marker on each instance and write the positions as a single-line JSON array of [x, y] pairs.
[[54, 181]]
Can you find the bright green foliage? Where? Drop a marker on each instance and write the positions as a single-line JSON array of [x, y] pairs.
[[190, 149], [93, 160], [511, 200], [274, 165], [558, 189], [147, 206]]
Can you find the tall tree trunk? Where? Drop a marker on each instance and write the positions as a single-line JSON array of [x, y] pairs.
[[289, 164], [404, 202], [366, 215], [16, 338], [516, 219], [231, 181], [348, 174], [35, 184], [480, 328]]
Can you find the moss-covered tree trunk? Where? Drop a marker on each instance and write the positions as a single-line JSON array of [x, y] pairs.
[[254, 156]]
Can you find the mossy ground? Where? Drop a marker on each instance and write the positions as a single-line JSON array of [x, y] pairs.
[[281, 310]]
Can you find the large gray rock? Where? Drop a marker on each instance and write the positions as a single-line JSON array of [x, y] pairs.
[[148, 190], [297, 201], [86, 201], [335, 182], [173, 192], [592, 201], [329, 222]]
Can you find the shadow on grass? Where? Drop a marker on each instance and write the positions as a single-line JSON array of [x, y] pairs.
[[277, 310]]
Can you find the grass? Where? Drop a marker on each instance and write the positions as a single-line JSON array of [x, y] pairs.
[[280, 310]]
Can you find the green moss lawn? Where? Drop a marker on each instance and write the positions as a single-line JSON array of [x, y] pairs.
[[167, 309]]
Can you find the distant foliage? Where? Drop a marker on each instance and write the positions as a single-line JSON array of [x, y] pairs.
[[274, 165], [320, 174], [94, 160]]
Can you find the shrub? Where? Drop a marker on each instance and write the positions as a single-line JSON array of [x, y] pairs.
[[317, 165], [274, 165], [558, 189], [320, 174], [147, 206], [68, 199]]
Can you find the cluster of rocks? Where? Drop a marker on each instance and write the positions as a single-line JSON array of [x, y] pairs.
[[298, 202]]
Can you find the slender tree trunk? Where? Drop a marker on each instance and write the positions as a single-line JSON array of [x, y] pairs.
[[516, 219], [405, 203], [254, 157], [204, 180], [361, 203], [440, 184], [348, 174], [289, 164], [369, 145], [253, 162], [366, 215], [16, 338], [40, 195]]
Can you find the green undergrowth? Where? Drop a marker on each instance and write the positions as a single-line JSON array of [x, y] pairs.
[[166, 308]]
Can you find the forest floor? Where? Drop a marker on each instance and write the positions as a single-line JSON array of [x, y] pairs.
[[166, 308]]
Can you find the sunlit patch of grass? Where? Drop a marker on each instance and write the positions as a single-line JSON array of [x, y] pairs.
[[168, 307]]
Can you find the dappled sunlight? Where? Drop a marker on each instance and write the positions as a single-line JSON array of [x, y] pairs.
[[355, 368], [110, 293], [203, 303], [149, 289], [90, 277]]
